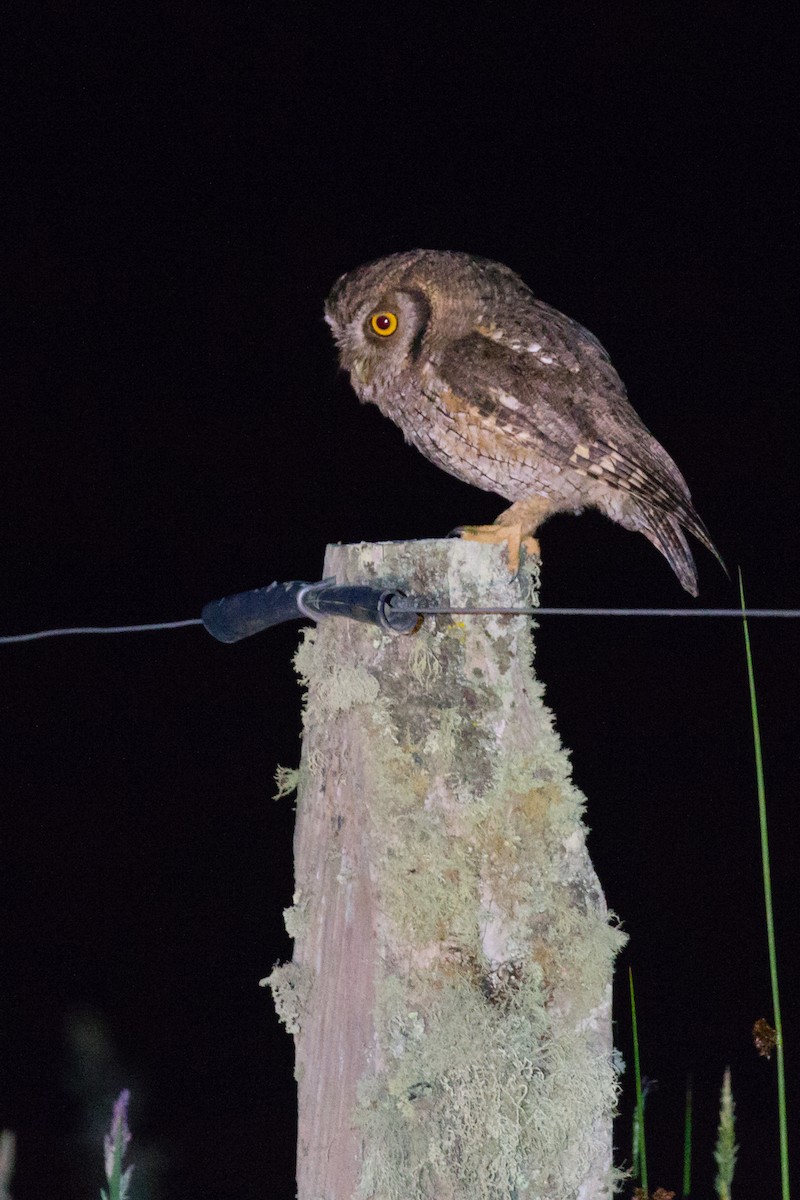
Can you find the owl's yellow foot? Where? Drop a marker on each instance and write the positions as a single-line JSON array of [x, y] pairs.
[[512, 535]]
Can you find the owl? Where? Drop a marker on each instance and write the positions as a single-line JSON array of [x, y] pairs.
[[508, 394]]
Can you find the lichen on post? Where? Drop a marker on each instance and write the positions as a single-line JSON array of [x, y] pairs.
[[450, 990]]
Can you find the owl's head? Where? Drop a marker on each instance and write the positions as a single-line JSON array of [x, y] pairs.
[[387, 315]]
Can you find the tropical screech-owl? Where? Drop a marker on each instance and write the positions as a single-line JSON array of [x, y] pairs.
[[506, 393]]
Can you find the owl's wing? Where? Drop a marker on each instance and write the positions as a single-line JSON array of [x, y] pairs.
[[569, 402]]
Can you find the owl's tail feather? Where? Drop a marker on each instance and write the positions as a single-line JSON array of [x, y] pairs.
[[691, 521], [665, 531], [666, 534]]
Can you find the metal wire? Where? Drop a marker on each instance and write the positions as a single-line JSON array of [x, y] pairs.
[[406, 604], [50, 633], [602, 612]]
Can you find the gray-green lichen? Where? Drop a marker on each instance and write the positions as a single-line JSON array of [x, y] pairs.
[[295, 918], [290, 986], [480, 1101], [286, 781], [495, 1078]]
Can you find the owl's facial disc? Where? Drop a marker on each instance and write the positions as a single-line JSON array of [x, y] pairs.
[[379, 329], [382, 324]]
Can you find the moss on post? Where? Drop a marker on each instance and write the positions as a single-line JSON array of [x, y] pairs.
[[450, 991]]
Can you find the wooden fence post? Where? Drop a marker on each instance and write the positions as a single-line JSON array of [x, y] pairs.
[[450, 990]]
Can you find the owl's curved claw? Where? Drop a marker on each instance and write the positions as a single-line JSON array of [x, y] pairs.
[[512, 535]]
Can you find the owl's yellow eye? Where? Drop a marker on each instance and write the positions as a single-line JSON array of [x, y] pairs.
[[383, 323]]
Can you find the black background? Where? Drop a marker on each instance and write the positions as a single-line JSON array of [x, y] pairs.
[[187, 183]]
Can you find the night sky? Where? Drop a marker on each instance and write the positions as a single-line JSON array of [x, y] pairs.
[[186, 183]]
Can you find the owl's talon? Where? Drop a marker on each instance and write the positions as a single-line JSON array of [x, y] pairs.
[[495, 534]]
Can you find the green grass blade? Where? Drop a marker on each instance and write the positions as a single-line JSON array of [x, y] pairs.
[[642, 1155], [767, 877], [686, 1189]]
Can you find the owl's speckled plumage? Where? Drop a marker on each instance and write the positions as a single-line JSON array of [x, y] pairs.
[[508, 394]]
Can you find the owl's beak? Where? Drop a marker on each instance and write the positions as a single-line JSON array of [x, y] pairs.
[[361, 371]]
